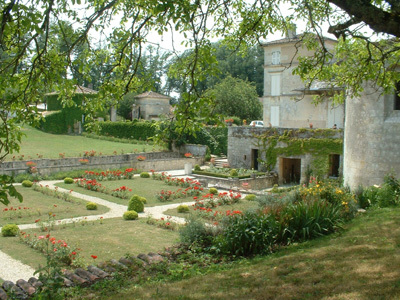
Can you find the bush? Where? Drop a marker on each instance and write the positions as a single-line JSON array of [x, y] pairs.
[[247, 234], [91, 206], [197, 168], [213, 191], [183, 208], [68, 180], [195, 231], [144, 175], [135, 204], [9, 230], [250, 197], [143, 199], [130, 215], [129, 130], [234, 173], [27, 183]]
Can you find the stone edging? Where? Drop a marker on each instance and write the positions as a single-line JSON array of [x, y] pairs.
[[23, 289]]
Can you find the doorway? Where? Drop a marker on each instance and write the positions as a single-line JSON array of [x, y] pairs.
[[254, 159], [290, 170], [334, 164]]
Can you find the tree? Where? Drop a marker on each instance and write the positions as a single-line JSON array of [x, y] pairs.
[[31, 64], [236, 97]]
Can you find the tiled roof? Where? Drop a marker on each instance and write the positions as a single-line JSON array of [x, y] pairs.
[[78, 90], [151, 94]]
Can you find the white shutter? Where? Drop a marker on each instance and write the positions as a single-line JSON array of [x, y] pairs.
[[276, 58], [275, 85], [275, 116]]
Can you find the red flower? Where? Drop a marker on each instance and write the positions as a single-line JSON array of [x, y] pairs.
[[168, 223], [93, 256]]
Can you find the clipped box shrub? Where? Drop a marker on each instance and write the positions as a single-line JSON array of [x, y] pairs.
[[250, 197], [234, 173], [27, 183], [183, 208], [9, 230], [91, 206], [213, 191], [144, 175], [143, 199], [135, 204], [197, 168], [130, 215], [68, 180]]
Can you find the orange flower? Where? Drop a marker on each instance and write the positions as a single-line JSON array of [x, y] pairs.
[[93, 256]]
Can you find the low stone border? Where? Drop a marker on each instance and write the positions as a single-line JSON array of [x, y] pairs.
[[23, 289]]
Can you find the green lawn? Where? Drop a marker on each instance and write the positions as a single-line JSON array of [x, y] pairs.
[[38, 143], [144, 187], [111, 239], [38, 206], [359, 263]]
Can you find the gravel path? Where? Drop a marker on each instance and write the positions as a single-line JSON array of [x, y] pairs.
[[13, 270]]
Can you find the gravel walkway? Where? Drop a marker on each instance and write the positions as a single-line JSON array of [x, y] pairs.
[[13, 270]]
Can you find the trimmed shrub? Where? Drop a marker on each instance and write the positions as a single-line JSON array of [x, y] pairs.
[[144, 175], [234, 173], [91, 206], [68, 180], [183, 208], [27, 183], [197, 168], [130, 215], [213, 191], [143, 199], [128, 130], [135, 204], [9, 230], [250, 197]]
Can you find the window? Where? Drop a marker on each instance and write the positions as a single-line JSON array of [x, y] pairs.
[[275, 85], [276, 58], [397, 97]]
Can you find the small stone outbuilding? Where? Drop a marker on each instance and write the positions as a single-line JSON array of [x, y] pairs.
[[150, 106]]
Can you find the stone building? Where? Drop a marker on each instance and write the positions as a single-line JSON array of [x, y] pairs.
[[150, 106], [288, 109], [287, 103], [372, 138]]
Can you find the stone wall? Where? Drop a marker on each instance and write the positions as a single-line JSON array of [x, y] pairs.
[[372, 139], [258, 183], [242, 146], [159, 161]]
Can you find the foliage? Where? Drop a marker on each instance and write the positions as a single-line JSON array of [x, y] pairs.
[[135, 204], [8, 190], [227, 172], [142, 130], [236, 97], [197, 167], [145, 175], [386, 195], [9, 230], [68, 180], [195, 231], [250, 197], [213, 191], [130, 215], [128, 173], [183, 208], [27, 183], [91, 206], [143, 199]]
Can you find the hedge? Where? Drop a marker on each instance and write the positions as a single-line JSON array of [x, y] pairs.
[[205, 173], [128, 130], [216, 138]]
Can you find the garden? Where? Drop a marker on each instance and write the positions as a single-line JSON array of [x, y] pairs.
[[221, 226]]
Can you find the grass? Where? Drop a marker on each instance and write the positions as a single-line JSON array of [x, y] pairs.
[[144, 187], [111, 239], [38, 143], [359, 263], [38, 206]]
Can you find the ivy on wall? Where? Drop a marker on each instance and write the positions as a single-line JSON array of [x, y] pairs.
[[319, 143]]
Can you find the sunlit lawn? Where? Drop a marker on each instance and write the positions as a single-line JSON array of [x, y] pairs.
[[144, 187], [360, 263], [111, 239], [36, 206], [38, 143]]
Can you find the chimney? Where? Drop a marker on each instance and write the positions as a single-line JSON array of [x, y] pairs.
[[291, 31]]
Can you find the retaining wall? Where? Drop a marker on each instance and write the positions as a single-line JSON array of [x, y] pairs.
[[258, 183]]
